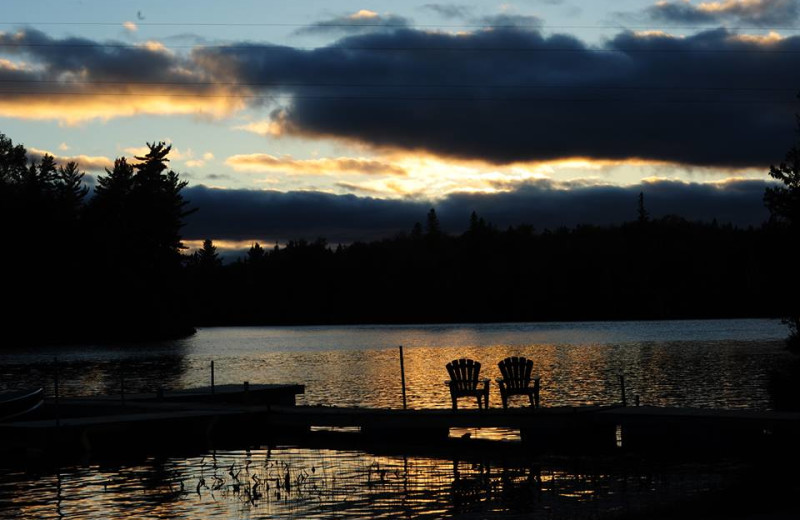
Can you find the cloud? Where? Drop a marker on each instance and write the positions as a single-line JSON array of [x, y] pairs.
[[751, 12], [130, 26], [503, 94], [261, 162], [358, 22], [85, 162], [451, 11], [507, 21], [280, 216], [265, 128], [77, 79], [509, 95]]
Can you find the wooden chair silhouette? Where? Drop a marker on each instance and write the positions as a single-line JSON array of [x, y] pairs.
[[517, 379], [464, 382]]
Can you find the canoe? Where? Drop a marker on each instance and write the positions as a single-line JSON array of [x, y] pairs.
[[14, 404]]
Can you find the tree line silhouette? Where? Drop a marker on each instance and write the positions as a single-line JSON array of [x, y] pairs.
[[112, 266], [104, 267], [664, 268]]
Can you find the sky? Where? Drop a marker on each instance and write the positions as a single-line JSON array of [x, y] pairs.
[[349, 120]]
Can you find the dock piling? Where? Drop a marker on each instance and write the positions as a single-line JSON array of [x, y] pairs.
[[622, 388], [122, 383], [403, 376], [55, 390], [212, 377]]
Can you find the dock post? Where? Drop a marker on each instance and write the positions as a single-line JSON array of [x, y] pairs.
[[212, 377], [55, 389], [403, 376], [622, 387], [122, 383]]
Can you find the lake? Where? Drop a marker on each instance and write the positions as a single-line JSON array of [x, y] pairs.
[[716, 363], [720, 363]]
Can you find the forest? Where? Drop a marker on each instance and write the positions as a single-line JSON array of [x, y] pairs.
[[109, 264]]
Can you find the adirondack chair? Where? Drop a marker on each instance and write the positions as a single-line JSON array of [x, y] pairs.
[[517, 379], [464, 382]]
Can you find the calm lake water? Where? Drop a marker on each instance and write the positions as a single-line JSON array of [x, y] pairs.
[[719, 363], [722, 363]]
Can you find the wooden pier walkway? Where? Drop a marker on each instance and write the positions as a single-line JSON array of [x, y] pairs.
[[263, 413]]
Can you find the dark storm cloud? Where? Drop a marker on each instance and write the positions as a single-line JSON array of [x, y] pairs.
[[503, 94], [509, 94], [277, 216], [356, 23], [76, 79], [749, 12], [100, 60], [280, 216]]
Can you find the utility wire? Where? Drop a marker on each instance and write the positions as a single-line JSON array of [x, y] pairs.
[[407, 26], [281, 48], [470, 99], [390, 85]]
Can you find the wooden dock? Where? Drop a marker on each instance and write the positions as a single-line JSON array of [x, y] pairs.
[[259, 414], [568, 428], [187, 417]]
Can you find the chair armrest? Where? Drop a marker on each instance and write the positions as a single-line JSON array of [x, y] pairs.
[[499, 380], [536, 378], [448, 382]]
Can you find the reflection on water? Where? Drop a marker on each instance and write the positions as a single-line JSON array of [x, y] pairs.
[[706, 364], [722, 363], [290, 482]]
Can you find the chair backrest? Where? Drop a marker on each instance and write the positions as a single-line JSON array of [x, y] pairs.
[[464, 374], [516, 371]]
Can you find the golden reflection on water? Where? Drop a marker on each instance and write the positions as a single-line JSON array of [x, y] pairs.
[[571, 375], [288, 482], [351, 371]]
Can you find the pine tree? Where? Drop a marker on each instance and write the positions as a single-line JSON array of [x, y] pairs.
[[783, 203], [642, 215], [255, 255], [206, 257]]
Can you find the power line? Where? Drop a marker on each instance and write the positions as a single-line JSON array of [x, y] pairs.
[[408, 98], [405, 26], [281, 48], [394, 85]]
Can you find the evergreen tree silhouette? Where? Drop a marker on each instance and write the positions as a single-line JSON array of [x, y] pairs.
[[255, 255], [783, 203], [137, 213], [206, 257], [433, 228], [642, 216]]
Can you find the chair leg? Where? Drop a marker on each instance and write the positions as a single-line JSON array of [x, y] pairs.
[[504, 397], [455, 402], [530, 397]]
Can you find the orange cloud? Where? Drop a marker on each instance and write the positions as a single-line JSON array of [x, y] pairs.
[[92, 103], [260, 162], [86, 162]]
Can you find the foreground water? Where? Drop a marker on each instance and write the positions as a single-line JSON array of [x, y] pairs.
[[682, 363], [289, 482]]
